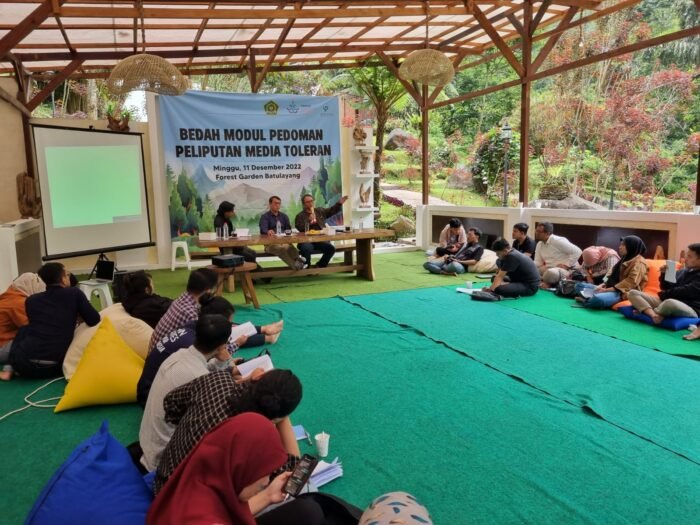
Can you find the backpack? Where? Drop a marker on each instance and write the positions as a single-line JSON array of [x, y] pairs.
[[566, 288]]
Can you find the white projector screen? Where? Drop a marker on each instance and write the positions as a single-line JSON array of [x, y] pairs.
[[93, 191]]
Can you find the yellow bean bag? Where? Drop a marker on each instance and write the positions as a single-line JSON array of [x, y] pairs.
[[107, 373], [134, 331]]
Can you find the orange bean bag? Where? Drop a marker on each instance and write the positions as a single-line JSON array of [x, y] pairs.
[[653, 287]]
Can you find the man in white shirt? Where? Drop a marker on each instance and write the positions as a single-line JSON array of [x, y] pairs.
[[209, 353], [555, 256]]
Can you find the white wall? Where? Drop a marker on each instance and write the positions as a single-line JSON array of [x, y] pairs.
[[683, 228]]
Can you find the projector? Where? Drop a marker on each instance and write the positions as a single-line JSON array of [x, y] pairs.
[[227, 261]]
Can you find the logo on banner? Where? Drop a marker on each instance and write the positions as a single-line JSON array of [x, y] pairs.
[[271, 108], [293, 108]]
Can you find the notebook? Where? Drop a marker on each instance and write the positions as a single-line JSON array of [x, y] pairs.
[[326, 472], [246, 328], [263, 362]]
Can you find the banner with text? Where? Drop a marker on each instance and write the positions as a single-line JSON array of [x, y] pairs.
[[244, 148]]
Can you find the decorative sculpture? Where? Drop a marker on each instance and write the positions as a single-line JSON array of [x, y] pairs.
[[28, 202], [118, 124], [358, 133], [365, 195], [365, 157]]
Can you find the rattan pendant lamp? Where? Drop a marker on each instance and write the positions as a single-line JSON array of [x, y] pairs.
[[427, 66], [146, 72]]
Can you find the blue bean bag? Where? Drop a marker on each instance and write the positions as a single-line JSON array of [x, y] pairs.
[[670, 323], [98, 483]]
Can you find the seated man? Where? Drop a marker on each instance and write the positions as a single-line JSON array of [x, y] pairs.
[[521, 241], [517, 274], [275, 220], [311, 218], [39, 348], [467, 255], [555, 256], [200, 405], [223, 217], [679, 299], [452, 238], [209, 353], [184, 337], [186, 307]]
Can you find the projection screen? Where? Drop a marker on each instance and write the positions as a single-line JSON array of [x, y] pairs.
[[93, 191]]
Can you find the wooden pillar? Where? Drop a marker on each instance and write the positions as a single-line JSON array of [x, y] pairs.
[[697, 184], [425, 149], [525, 106]]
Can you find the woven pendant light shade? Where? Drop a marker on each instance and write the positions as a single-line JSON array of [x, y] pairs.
[[146, 72], [428, 67]]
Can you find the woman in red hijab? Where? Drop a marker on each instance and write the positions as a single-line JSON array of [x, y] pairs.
[[226, 480]]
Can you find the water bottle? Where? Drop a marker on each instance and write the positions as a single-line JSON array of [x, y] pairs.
[[279, 228], [225, 232]]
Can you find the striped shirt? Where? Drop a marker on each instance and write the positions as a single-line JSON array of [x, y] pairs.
[[184, 309], [177, 370]]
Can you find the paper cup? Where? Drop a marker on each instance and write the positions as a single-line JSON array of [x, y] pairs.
[[322, 440], [468, 285]]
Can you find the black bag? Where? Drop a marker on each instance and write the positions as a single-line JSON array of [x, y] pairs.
[[577, 275], [566, 288], [484, 295]]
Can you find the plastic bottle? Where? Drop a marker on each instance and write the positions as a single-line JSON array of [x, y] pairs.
[[225, 232], [279, 228]]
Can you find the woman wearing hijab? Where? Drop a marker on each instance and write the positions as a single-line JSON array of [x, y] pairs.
[[630, 273], [13, 314], [226, 480], [598, 263], [224, 214]]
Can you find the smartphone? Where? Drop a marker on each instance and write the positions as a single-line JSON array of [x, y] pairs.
[[300, 475]]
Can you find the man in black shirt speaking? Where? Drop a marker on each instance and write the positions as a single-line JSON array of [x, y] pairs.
[[517, 274]]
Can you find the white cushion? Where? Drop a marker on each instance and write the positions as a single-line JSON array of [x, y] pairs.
[[487, 263], [135, 333]]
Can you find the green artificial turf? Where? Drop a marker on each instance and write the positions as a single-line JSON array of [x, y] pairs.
[[411, 408]]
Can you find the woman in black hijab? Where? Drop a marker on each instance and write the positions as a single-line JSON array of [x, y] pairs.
[[630, 273], [223, 217]]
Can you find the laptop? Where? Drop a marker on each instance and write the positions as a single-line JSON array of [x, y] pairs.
[[104, 272]]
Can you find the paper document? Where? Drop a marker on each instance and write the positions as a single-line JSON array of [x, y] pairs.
[[242, 329], [263, 362], [670, 275], [300, 433], [467, 291], [326, 472], [243, 232], [587, 293]]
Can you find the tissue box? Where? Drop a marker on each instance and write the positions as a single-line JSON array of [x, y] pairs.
[[207, 236]]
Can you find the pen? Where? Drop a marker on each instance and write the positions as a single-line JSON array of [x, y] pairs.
[[308, 438]]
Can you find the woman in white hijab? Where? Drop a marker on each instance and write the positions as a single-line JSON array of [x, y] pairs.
[[13, 314]]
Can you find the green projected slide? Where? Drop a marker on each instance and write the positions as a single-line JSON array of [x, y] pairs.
[[94, 185]]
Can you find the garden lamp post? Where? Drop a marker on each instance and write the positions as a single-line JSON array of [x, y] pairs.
[[506, 135]]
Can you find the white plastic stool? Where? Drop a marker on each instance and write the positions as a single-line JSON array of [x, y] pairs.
[[173, 257], [101, 288]]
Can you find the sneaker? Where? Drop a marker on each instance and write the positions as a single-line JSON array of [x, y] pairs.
[[300, 263]]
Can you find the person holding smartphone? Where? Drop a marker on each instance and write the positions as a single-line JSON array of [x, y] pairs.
[[226, 479]]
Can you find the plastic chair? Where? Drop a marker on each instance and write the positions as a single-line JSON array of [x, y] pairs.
[[101, 288], [173, 258]]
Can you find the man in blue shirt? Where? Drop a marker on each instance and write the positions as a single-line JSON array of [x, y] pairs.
[[275, 222]]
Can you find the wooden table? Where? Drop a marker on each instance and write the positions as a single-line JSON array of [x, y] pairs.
[[241, 272], [363, 246]]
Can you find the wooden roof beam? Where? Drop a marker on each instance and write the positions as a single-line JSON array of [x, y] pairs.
[[271, 58], [253, 14], [395, 70], [254, 38], [498, 41], [547, 48], [200, 30], [26, 26], [53, 84], [544, 6], [624, 50]]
